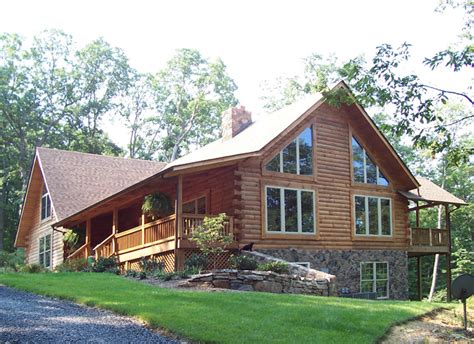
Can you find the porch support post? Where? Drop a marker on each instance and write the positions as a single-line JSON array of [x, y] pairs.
[[178, 208], [143, 229], [88, 237], [448, 255], [418, 280], [417, 213], [114, 229]]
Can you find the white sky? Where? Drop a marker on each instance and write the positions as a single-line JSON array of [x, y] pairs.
[[257, 40]]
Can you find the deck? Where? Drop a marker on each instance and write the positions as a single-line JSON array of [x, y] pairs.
[[428, 241]]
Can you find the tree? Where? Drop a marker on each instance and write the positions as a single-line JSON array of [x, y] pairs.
[[190, 93]]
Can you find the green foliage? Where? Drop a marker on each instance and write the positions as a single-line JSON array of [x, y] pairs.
[[151, 264], [278, 267], [157, 204], [464, 262], [105, 265], [12, 261], [32, 268], [242, 262], [242, 317], [73, 265], [196, 262], [70, 240], [209, 237]]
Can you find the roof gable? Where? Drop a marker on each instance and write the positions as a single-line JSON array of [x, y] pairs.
[[78, 180]]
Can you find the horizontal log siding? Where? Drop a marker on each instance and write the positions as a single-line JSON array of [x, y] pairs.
[[332, 183], [41, 228]]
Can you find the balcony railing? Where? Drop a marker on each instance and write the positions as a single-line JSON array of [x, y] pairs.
[[429, 237]]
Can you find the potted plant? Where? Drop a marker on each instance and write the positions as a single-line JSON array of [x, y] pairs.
[[157, 205]]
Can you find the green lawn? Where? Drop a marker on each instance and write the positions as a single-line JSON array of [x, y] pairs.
[[227, 317]]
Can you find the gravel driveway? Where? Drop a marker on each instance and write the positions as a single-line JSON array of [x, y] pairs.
[[29, 318]]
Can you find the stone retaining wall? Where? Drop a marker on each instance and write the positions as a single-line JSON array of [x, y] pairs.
[[266, 281]]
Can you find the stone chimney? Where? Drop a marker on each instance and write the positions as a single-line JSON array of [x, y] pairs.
[[235, 120]]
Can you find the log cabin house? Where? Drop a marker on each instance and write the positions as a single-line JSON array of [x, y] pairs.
[[310, 183]]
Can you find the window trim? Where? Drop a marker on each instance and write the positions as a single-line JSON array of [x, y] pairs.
[[374, 281], [379, 216], [282, 211], [377, 168], [44, 251], [280, 155], [304, 264], [48, 202]]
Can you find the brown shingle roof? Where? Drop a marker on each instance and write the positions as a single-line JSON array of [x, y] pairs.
[[78, 180], [430, 192]]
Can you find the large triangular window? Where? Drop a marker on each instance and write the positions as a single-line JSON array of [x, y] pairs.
[[365, 171], [296, 157]]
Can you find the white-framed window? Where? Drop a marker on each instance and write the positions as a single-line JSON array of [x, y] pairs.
[[44, 252], [365, 171], [296, 157], [290, 210], [45, 205], [195, 206], [374, 277], [372, 215], [304, 264]]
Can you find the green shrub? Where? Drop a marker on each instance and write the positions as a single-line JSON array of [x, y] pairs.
[[131, 273], [440, 295], [242, 262], [150, 265], [106, 265], [12, 261], [33, 268], [278, 267], [73, 265], [196, 262]]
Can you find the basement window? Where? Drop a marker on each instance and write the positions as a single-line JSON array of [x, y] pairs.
[[296, 157], [374, 278]]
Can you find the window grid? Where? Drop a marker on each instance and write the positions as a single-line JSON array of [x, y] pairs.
[[44, 251], [379, 216], [378, 173], [297, 142], [372, 268], [282, 211]]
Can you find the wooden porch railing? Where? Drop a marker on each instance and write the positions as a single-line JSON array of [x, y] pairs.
[[191, 221], [81, 252], [105, 248], [151, 233], [429, 237]]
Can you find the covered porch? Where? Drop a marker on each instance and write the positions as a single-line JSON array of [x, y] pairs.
[[120, 228], [431, 240]]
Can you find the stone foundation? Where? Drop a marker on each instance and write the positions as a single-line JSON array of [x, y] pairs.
[[346, 266]]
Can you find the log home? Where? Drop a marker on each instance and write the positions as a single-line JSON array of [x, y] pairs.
[[311, 183]]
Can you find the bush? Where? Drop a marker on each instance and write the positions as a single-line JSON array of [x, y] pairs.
[[196, 262], [33, 268], [150, 265], [12, 261], [105, 265], [242, 262], [278, 267], [73, 265], [131, 273]]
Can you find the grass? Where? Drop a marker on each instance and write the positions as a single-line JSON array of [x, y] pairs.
[[228, 317]]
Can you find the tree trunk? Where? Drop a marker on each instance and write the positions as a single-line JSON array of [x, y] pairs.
[[436, 261]]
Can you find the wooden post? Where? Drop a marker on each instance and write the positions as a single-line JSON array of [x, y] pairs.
[[417, 213], [178, 208], [143, 229], [88, 237], [448, 255], [418, 281], [114, 229]]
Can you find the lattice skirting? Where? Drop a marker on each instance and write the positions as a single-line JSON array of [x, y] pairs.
[[215, 261], [167, 258]]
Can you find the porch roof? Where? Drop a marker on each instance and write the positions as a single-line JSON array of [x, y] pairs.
[[432, 193]]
